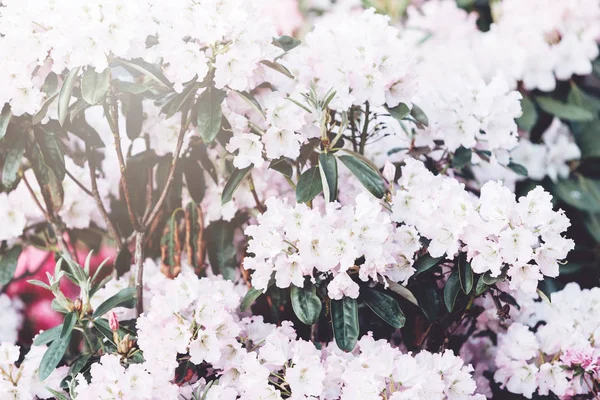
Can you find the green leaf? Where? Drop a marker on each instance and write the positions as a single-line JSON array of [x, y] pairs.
[[451, 290], [344, 318], [481, 286], [48, 335], [252, 102], [170, 243], [148, 70], [5, 116], [123, 261], [125, 298], [384, 306], [64, 97], [369, 177], [282, 165], [587, 137], [402, 291], [278, 67], [329, 176], [529, 117], [305, 303], [419, 115], [287, 43], [399, 112], [462, 157], [430, 302], [181, 101], [68, 324], [465, 273], [309, 185], [592, 225], [94, 85], [490, 280], [12, 159], [518, 169], [194, 179], [134, 115], [250, 298], [564, 111], [57, 395], [209, 113], [8, 264], [41, 114], [53, 153], [53, 355], [41, 284], [583, 193], [79, 363], [426, 262], [220, 248], [235, 179]]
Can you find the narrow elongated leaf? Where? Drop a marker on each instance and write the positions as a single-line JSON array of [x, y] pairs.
[[430, 302], [565, 111], [402, 291], [64, 97], [369, 177], [134, 116], [12, 160], [148, 70], [194, 179], [180, 101], [329, 176], [451, 290], [384, 306], [399, 112], [250, 298], [8, 264], [489, 280], [209, 113], [79, 363], [465, 273], [426, 262], [282, 165], [251, 101], [278, 67], [5, 116], [287, 43], [41, 114], [53, 355], [518, 168], [419, 115], [481, 287], [309, 185], [125, 298], [220, 248], [344, 318], [123, 261], [94, 85], [235, 179], [306, 304], [592, 225], [462, 157], [48, 335], [53, 153], [583, 193], [530, 115], [68, 324]]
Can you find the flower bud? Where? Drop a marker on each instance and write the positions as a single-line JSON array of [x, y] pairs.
[[389, 171], [113, 322]]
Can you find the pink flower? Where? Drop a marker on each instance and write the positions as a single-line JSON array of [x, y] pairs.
[[113, 322], [588, 359]]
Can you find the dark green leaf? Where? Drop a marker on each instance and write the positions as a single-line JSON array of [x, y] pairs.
[[426, 262], [5, 116], [57, 395], [490, 280], [68, 324], [64, 97], [41, 114], [209, 113], [148, 70], [125, 298], [529, 117], [53, 355], [588, 139], [462, 157], [583, 193], [430, 302], [48, 335], [451, 290], [309, 185], [220, 248], [518, 168], [481, 286], [251, 101], [250, 298], [134, 116], [282, 165], [306, 304], [399, 112], [235, 179], [94, 85], [564, 111], [344, 318], [123, 261], [12, 159], [79, 363], [369, 177], [419, 115], [287, 43], [194, 179], [170, 243], [592, 224], [278, 67], [181, 101], [329, 176], [465, 273], [384, 306], [53, 153]]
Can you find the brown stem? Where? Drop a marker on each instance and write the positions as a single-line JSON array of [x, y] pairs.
[[81, 185], [185, 123], [139, 267], [112, 115], [96, 195], [35, 199], [259, 204], [365, 131]]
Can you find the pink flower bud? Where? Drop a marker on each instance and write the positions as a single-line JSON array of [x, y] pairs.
[[113, 322], [389, 171]]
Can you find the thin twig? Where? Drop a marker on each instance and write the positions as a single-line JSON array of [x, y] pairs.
[[81, 185], [363, 136], [139, 268], [259, 205], [35, 199]]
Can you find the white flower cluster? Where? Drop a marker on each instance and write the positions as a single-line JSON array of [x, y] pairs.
[[494, 230], [551, 157], [361, 57], [21, 382], [528, 359], [192, 38], [293, 242], [12, 318], [197, 319]]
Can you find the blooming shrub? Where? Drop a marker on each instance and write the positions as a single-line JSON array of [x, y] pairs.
[[226, 199]]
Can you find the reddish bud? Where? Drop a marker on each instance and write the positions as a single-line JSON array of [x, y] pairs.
[[113, 322]]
